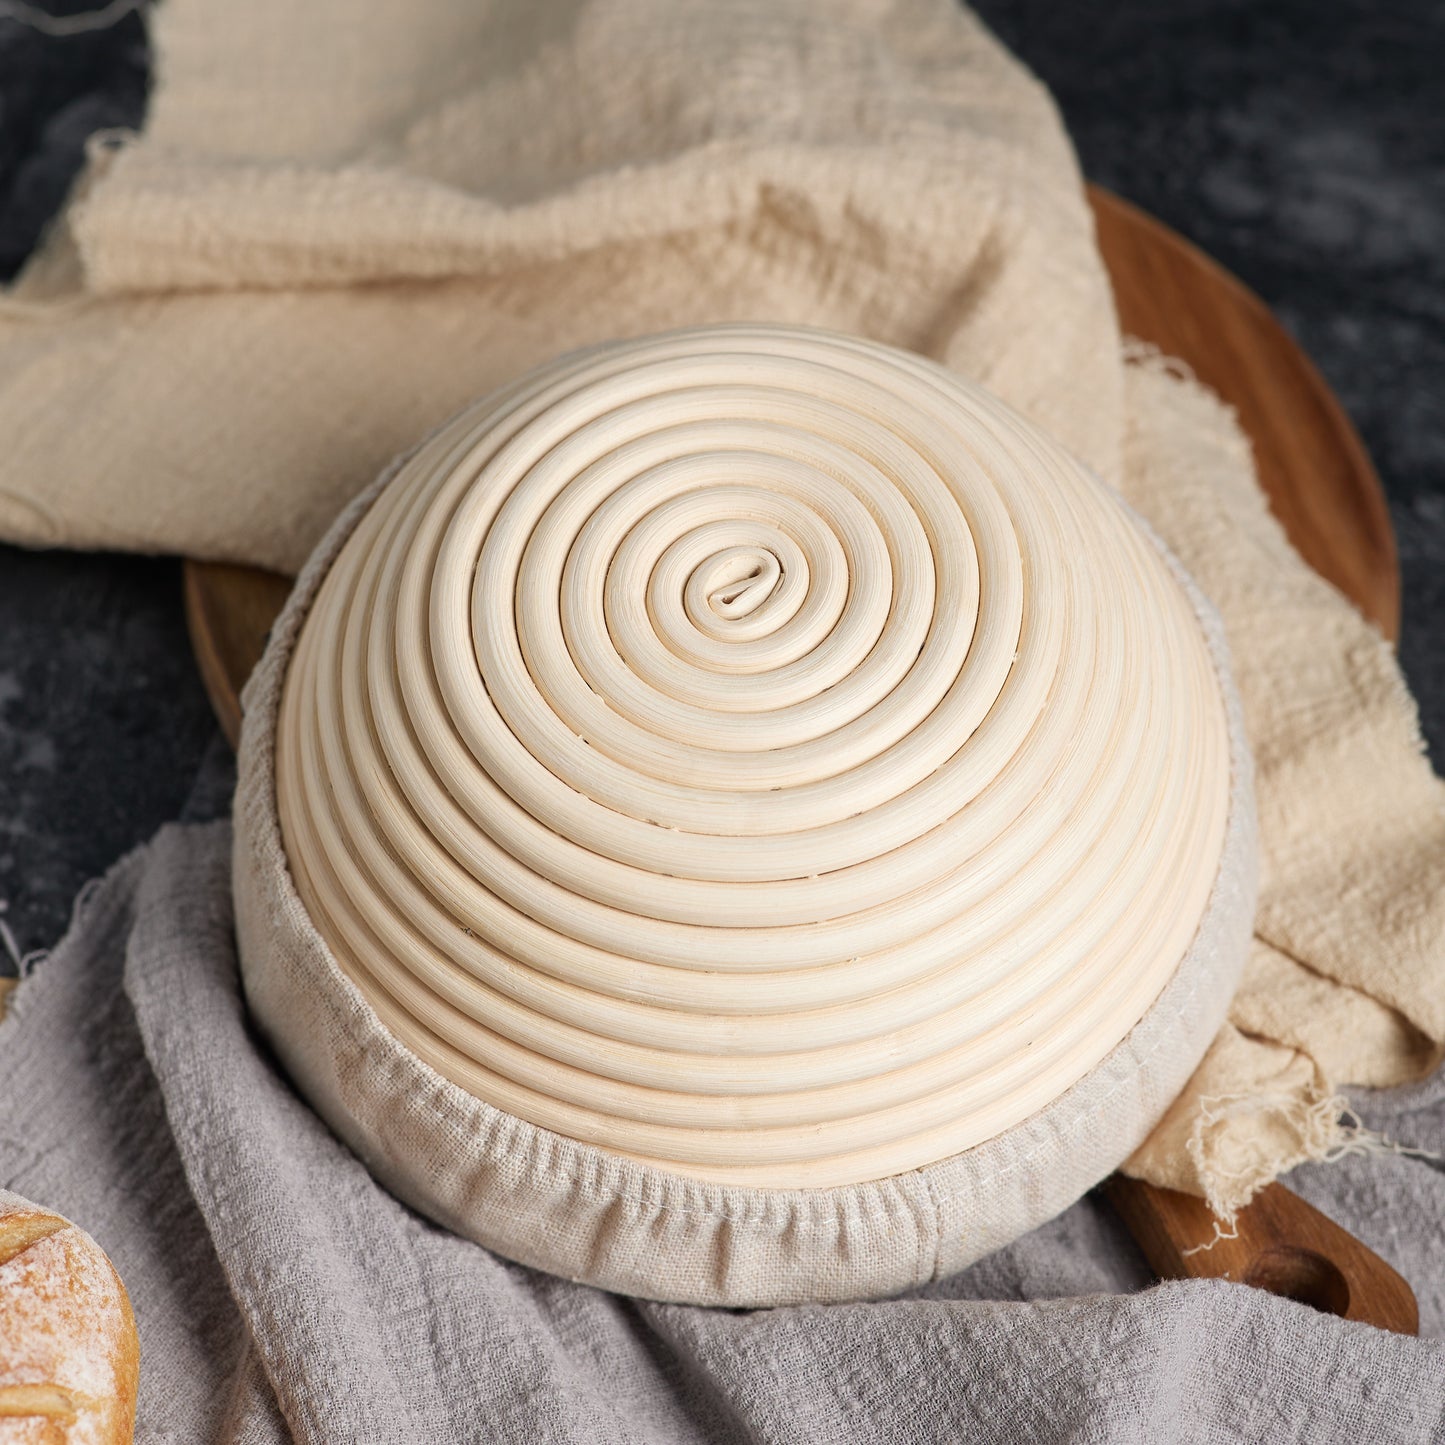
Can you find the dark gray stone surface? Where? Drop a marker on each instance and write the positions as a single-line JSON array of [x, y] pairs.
[[103, 722], [1302, 145], [56, 92]]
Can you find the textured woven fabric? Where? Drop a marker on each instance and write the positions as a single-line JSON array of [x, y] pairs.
[[282, 1294], [341, 225]]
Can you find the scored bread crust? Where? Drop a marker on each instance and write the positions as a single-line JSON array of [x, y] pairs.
[[69, 1356]]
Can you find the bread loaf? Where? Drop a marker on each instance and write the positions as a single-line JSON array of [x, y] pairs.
[[69, 1357]]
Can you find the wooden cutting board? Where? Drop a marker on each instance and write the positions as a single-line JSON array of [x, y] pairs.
[[1323, 488]]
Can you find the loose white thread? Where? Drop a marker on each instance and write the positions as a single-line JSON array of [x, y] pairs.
[[1328, 1129], [1221, 1233], [1356, 1138]]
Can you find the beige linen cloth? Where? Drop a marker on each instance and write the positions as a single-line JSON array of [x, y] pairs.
[[343, 222]]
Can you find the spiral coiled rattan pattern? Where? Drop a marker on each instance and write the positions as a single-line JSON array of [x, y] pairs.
[[757, 752]]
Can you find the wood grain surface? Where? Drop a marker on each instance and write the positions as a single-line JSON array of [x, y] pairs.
[[1323, 488], [1280, 1244], [229, 611]]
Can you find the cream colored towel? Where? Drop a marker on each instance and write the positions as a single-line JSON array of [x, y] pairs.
[[343, 222]]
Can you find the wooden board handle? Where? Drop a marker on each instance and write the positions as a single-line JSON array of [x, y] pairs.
[[1281, 1244]]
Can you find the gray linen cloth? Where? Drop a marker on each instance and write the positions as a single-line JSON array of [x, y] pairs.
[[282, 1294]]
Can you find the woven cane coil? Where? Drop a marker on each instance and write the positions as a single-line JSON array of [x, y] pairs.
[[757, 752]]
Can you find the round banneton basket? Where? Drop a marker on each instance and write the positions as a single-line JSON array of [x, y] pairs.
[[742, 817]]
